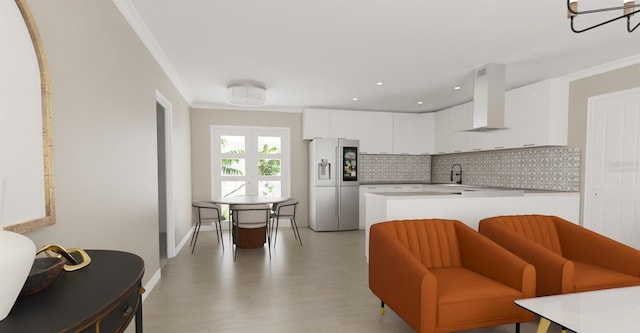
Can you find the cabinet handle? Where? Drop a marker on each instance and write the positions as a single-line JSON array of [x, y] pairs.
[[457, 151], [476, 149], [499, 147], [528, 144]]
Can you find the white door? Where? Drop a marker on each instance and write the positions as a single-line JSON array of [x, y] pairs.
[[612, 185]]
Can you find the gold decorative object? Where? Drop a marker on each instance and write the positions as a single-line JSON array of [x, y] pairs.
[[57, 251]]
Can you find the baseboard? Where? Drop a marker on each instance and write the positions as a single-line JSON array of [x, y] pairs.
[[184, 240], [151, 284]]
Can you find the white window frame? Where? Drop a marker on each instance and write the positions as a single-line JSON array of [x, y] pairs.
[[251, 134]]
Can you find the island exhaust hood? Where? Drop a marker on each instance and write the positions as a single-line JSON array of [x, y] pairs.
[[488, 98]]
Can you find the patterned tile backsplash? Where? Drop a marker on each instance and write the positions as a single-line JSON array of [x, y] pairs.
[[542, 168], [395, 168]]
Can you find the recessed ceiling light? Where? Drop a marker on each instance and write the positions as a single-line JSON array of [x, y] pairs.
[[355, 98], [379, 83], [420, 102], [457, 88]]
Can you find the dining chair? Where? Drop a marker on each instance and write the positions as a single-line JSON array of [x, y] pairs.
[[285, 210], [250, 216], [206, 212]]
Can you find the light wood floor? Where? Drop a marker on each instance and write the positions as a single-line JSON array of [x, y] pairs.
[[319, 287]]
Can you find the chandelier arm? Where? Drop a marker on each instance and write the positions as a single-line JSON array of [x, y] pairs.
[[629, 24], [577, 12], [597, 25]]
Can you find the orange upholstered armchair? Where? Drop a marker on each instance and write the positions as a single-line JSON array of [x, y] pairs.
[[443, 276], [567, 257]]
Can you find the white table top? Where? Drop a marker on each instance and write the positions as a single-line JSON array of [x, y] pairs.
[[249, 200], [608, 310]]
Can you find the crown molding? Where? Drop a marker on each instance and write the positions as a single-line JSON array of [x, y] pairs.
[[603, 68], [134, 19]]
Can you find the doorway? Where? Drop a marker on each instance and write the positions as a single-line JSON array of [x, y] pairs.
[[166, 235], [612, 184]]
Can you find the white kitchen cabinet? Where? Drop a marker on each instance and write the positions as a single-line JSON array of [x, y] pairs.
[[427, 132], [380, 140], [413, 133], [443, 132], [350, 124], [316, 123], [538, 114], [461, 118], [450, 126], [535, 115]]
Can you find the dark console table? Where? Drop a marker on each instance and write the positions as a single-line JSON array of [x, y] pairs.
[[102, 297]]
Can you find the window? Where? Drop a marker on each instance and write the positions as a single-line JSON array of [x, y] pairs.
[[249, 161]]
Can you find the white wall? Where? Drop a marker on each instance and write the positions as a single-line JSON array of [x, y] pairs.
[[103, 83]]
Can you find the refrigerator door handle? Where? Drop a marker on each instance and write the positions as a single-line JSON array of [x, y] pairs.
[[338, 176]]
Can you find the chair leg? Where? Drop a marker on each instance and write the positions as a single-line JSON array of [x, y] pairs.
[[196, 231], [219, 231], [235, 245], [381, 307], [296, 231], [194, 237], [269, 236], [517, 327], [275, 231]]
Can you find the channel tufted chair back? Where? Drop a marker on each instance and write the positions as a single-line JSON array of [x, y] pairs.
[[534, 227], [568, 258], [434, 244]]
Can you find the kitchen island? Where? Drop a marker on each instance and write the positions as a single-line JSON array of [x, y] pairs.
[[467, 204]]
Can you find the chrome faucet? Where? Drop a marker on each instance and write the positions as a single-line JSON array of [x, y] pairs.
[[459, 174]]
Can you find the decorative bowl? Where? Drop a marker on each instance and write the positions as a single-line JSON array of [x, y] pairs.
[[43, 272]]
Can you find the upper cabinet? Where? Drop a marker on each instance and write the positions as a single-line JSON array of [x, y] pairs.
[[538, 114], [378, 132], [380, 139], [316, 123], [450, 126], [413, 133], [535, 115]]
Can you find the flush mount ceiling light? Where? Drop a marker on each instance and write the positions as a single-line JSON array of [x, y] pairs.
[[628, 9], [246, 95]]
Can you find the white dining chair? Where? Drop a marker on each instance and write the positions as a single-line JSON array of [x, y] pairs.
[[251, 216], [206, 212], [285, 210]]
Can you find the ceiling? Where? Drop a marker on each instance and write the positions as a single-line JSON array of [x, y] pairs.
[[322, 54]]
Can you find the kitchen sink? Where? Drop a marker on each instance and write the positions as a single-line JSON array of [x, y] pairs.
[[475, 190]]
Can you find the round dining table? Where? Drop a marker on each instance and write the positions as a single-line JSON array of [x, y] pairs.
[[249, 238], [249, 200]]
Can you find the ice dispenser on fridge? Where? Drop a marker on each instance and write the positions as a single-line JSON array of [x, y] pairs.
[[324, 169]]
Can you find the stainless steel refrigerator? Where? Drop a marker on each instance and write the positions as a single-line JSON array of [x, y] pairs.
[[333, 184]]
